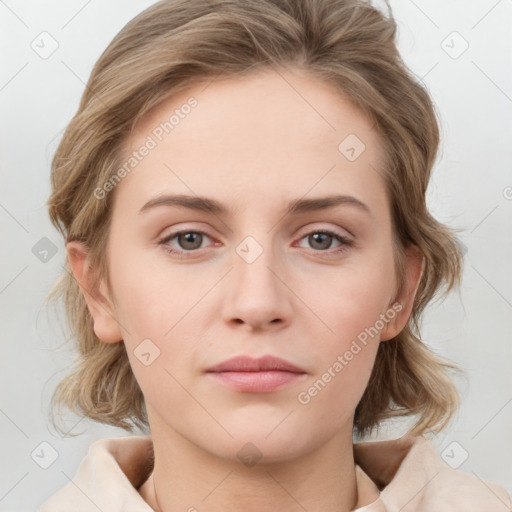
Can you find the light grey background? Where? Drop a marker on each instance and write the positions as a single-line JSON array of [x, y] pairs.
[[471, 189]]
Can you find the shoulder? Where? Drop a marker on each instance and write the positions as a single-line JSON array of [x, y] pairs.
[[413, 477], [107, 478], [450, 489], [429, 483]]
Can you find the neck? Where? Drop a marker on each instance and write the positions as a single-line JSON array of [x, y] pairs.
[[186, 477]]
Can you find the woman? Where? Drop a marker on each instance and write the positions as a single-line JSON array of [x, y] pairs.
[[242, 194]]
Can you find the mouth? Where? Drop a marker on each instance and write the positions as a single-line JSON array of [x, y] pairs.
[[261, 375], [250, 364]]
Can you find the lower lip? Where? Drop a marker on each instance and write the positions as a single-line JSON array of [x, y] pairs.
[[258, 382]]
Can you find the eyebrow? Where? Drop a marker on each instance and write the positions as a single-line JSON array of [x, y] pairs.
[[296, 206]]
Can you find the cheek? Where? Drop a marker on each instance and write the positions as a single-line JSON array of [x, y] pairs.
[[351, 299], [159, 307], [346, 357], [354, 308], [152, 294]]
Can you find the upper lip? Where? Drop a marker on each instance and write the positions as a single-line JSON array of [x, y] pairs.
[[250, 364]]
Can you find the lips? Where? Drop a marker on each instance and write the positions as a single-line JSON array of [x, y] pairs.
[[261, 364], [262, 375]]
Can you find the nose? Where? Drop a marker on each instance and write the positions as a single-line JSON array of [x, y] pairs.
[[257, 293]]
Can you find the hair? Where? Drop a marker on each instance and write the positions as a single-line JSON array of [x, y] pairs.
[[176, 43]]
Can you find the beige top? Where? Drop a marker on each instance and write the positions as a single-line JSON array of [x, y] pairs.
[[401, 475]]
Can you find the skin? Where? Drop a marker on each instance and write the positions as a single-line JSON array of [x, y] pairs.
[[253, 143]]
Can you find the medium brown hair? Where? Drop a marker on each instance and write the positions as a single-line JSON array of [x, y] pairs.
[[172, 45]]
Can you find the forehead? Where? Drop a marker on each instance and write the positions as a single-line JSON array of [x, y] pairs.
[[258, 133], [266, 101]]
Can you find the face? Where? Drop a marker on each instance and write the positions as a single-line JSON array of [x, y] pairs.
[[313, 284]]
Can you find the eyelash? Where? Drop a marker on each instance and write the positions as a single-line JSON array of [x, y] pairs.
[[346, 243]]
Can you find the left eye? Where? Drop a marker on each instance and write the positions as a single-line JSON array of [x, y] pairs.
[[323, 239], [192, 240]]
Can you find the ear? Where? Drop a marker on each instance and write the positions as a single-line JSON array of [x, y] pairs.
[[98, 300], [403, 303]]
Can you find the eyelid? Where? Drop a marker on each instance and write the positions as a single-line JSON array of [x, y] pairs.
[[173, 234], [346, 242], [334, 230], [305, 231]]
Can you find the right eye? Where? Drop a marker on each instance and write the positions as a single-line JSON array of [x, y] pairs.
[[189, 240]]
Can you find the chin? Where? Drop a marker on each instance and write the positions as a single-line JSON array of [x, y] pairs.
[[254, 445]]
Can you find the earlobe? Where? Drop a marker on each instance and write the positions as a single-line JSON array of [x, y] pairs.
[[403, 303], [98, 301]]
